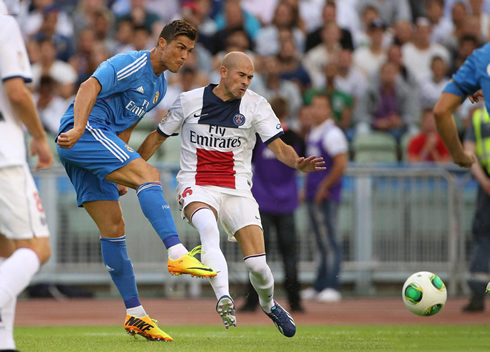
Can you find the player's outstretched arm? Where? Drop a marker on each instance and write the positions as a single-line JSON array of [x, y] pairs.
[[25, 110], [287, 155], [84, 102], [446, 126], [150, 145]]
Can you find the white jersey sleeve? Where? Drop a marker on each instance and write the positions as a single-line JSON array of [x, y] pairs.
[[266, 123], [335, 142], [14, 61], [173, 119]]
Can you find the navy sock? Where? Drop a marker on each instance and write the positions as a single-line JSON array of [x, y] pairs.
[[116, 260], [157, 210]]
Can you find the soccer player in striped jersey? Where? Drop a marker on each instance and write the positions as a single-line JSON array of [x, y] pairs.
[[24, 234], [92, 145], [218, 124]]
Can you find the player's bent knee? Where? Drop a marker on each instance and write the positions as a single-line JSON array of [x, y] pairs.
[[151, 174]]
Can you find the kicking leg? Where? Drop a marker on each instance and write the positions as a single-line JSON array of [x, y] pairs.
[[143, 177]]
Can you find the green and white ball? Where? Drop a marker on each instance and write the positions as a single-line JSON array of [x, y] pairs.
[[424, 293]]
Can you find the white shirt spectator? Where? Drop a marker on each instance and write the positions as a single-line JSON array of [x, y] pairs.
[[51, 115], [430, 92], [315, 60], [368, 62], [262, 9], [418, 61], [440, 30], [347, 17], [354, 83]]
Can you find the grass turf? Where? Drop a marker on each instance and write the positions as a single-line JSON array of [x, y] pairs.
[[259, 338]]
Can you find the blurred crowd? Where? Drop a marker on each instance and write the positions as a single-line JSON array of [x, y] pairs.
[[382, 63]]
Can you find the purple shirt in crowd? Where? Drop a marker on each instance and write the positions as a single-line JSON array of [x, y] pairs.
[[386, 105], [274, 183], [325, 140]]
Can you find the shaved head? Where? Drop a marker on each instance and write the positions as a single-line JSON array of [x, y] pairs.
[[236, 58]]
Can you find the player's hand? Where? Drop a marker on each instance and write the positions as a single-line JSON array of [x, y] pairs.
[[310, 164], [465, 160], [475, 98], [68, 139], [122, 190], [40, 147]]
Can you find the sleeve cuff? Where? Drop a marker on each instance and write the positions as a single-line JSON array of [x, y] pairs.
[[164, 134], [454, 88], [25, 79], [279, 134]]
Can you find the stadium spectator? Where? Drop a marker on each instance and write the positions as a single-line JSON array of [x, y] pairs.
[[276, 191], [267, 42], [34, 21], [431, 88], [402, 32], [459, 12], [475, 143], [349, 78], [141, 39], [323, 196], [85, 14], [80, 60], [427, 146], [315, 59], [290, 63], [139, 15], [388, 106], [233, 16], [440, 24], [103, 28], [395, 55], [466, 46], [418, 54], [391, 11], [329, 15], [124, 37], [362, 36], [47, 31], [24, 237], [369, 59], [60, 71], [341, 104], [197, 13], [275, 86], [482, 20], [50, 105]]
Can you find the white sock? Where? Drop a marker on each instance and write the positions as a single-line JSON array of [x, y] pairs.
[[177, 251], [16, 273], [7, 315], [261, 279], [212, 256], [138, 312]]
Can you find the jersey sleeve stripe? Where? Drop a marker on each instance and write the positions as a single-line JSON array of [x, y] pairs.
[[26, 79], [279, 134], [131, 65], [133, 70]]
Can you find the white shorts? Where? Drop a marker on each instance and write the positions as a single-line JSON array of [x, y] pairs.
[[236, 208], [21, 211]]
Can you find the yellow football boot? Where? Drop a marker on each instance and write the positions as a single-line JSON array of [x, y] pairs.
[[187, 264], [145, 327]]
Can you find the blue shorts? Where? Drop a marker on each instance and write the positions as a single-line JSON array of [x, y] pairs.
[[95, 155]]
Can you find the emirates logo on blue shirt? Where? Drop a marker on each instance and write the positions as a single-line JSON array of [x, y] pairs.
[[239, 120]]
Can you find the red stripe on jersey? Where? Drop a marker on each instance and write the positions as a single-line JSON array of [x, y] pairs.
[[215, 168]]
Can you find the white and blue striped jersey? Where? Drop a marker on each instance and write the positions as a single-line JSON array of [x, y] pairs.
[[130, 89]]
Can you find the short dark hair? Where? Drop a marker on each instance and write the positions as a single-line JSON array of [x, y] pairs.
[[178, 28]]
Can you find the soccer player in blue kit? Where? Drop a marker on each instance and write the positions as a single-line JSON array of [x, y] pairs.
[[92, 145]]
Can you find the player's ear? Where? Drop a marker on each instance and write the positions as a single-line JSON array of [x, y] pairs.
[[223, 71], [162, 43]]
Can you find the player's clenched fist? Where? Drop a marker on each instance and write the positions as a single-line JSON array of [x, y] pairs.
[[68, 139]]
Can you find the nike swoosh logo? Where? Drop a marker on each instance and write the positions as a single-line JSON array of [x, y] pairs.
[[209, 269], [201, 115]]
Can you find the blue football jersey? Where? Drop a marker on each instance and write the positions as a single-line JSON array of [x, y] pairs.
[[474, 74], [130, 88]]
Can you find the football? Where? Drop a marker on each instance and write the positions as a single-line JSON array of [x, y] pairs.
[[424, 293]]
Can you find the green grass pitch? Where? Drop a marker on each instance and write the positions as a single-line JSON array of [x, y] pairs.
[[260, 338]]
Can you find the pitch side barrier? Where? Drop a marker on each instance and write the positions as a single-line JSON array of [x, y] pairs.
[[394, 220]]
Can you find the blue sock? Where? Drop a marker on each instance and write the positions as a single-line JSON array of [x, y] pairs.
[[157, 210], [116, 260]]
